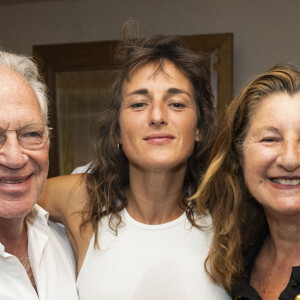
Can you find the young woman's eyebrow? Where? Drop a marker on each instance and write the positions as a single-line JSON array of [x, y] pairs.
[[175, 91], [138, 92], [170, 91]]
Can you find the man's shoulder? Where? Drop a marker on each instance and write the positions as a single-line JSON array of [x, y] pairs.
[[55, 233]]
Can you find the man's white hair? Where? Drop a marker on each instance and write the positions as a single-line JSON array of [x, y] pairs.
[[27, 68]]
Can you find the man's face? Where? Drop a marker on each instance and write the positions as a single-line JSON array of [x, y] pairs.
[[22, 172]]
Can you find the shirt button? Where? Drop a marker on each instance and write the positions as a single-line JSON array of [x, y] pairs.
[[294, 283], [297, 297]]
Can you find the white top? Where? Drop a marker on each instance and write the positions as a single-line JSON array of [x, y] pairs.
[[51, 260], [148, 262], [81, 169]]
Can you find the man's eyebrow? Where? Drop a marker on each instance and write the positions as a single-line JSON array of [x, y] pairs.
[[175, 91]]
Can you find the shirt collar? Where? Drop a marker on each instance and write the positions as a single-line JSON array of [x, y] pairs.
[[36, 219], [39, 212]]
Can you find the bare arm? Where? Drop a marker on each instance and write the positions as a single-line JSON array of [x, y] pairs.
[[63, 196]]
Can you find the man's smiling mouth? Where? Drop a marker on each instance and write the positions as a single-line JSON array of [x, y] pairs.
[[14, 180]]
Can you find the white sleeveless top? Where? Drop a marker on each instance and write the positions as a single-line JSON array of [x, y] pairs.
[[148, 262]]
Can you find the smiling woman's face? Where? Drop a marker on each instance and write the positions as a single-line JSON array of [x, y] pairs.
[[158, 118], [272, 154]]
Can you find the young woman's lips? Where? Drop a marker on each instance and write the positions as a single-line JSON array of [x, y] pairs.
[[159, 138]]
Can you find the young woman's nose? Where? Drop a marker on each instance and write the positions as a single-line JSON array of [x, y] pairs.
[[158, 114]]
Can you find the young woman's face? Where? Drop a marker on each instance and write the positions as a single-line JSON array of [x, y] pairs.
[[158, 118], [272, 154]]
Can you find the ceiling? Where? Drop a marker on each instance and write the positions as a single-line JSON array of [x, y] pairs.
[[9, 2]]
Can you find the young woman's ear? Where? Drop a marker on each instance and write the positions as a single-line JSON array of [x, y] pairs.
[[198, 136]]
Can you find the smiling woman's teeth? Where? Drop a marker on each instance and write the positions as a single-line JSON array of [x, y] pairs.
[[286, 181]]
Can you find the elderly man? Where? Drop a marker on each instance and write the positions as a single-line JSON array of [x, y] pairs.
[[35, 258]]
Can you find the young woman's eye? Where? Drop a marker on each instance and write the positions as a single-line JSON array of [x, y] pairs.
[[177, 105], [138, 105]]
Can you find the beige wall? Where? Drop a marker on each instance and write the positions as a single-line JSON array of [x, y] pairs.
[[265, 31]]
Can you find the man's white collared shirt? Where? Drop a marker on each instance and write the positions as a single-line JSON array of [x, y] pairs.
[[51, 260]]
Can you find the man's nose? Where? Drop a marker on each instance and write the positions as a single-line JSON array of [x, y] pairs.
[[12, 153]]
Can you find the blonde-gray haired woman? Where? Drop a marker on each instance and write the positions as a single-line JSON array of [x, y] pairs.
[[252, 190]]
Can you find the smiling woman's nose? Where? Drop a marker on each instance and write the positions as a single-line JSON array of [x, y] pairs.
[[289, 157]]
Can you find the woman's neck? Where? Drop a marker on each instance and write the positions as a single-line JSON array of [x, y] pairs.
[[154, 197], [284, 239]]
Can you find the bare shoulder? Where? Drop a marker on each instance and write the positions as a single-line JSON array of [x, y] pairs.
[[64, 195]]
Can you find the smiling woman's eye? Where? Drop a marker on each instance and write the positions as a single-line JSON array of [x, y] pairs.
[[270, 139]]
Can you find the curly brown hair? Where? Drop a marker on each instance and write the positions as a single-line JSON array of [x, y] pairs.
[[237, 218], [109, 175]]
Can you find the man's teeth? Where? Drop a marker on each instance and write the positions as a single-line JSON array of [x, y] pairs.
[[12, 181], [286, 181]]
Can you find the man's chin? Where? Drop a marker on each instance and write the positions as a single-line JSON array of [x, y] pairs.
[[15, 209]]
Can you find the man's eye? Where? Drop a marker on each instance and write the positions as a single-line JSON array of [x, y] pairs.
[[31, 134]]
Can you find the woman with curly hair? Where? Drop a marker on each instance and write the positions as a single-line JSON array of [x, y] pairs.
[[134, 233], [252, 190]]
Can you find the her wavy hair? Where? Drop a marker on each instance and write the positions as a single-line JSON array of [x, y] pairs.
[[237, 218], [108, 177]]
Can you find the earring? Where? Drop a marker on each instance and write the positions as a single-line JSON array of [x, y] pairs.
[[119, 145]]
